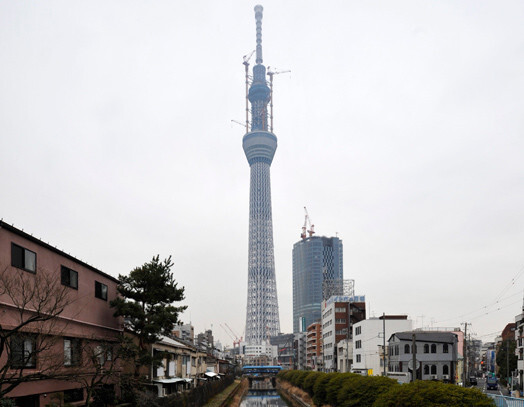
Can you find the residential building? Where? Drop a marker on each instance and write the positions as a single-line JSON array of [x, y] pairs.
[[436, 354], [339, 314], [77, 329], [185, 332], [368, 341], [314, 346], [317, 275], [204, 341], [519, 349], [345, 356], [181, 366]]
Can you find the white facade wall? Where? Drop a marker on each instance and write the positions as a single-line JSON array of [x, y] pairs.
[[328, 337], [368, 341]]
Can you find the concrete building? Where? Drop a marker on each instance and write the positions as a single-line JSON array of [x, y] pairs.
[[436, 354], [300, 347], [204, 341], [285, 354], [314, 347], [317, 275], [339, 314], [368, 342], [519, 348], [185, 332], [262, 317], [38, 281]]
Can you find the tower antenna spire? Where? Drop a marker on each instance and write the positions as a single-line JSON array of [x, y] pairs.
[[258, 17]]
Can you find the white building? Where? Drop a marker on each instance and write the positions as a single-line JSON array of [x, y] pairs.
[[519, 349], [368, 341]]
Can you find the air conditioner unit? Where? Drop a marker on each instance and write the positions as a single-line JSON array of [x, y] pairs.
[[433, 377], [445, 377]]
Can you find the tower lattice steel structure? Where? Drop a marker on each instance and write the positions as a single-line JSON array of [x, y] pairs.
[[262, 319]]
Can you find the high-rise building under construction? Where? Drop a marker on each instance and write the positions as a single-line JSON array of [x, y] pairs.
[[317, 276], [260, 144]]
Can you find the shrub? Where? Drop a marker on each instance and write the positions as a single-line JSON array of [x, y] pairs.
[[362, 391], [319, 388], [433, 394], [299, 378], [334, 384], [309, 382]]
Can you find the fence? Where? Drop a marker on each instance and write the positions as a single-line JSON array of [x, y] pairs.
[[504, 401]]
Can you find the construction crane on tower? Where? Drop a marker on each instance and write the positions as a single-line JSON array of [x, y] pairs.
[[246, 59], [307, 222], [272, 72]]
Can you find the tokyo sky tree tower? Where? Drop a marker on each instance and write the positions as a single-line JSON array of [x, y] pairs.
[[259, 144]]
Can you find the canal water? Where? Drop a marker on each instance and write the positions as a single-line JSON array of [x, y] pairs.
[[260, 398]]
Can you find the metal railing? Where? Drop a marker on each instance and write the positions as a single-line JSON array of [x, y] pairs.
[[505, 401]]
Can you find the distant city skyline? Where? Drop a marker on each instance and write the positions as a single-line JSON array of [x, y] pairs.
[[400, 128]]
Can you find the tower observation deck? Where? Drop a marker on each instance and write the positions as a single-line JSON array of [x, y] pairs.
[[262, 317]]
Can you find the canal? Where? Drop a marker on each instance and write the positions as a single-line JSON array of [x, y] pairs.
[[259, 398]]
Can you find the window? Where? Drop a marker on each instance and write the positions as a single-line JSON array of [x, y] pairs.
[[72, 351], [433, 369], [445, 348], [69, 277], [406, 348], [100, 290], [73, 395], [433, 348], [426, 348], [426, 369], [359, 359], [358, 344], [396, 350], [22, 258], [445, 369], [23, 351], [358, 330]]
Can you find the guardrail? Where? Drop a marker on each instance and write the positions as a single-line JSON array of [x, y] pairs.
[[505, 401]]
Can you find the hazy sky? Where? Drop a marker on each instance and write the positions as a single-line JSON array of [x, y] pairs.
[[400, 127]]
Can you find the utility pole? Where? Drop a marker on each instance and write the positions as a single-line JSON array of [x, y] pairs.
[[384, 340], [414, 353], [465, 353]]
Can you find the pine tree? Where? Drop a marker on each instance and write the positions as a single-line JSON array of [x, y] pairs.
[[146, 303]]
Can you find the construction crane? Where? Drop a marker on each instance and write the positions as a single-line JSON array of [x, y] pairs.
[[272, 72], [237, 340], [242, 124], [246, 59], [307, 221]]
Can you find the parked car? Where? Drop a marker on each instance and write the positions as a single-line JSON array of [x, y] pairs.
[[492, 383]]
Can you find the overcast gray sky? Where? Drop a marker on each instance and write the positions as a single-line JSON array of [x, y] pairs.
[[400, 128]]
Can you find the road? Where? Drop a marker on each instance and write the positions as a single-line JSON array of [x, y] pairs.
[[482, 386]]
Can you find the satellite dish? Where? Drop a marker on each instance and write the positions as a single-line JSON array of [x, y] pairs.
[[410, 365]]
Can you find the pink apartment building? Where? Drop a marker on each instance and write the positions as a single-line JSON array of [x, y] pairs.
[[56, 323]]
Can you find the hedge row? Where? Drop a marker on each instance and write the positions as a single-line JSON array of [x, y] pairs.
[[350, 389]]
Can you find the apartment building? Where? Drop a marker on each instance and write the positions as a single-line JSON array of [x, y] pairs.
[[436, 354], [314, 346], [56, 321], [368, 342], [339, 313]]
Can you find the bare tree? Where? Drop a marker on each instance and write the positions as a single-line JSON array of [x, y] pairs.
[[30, 327]]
